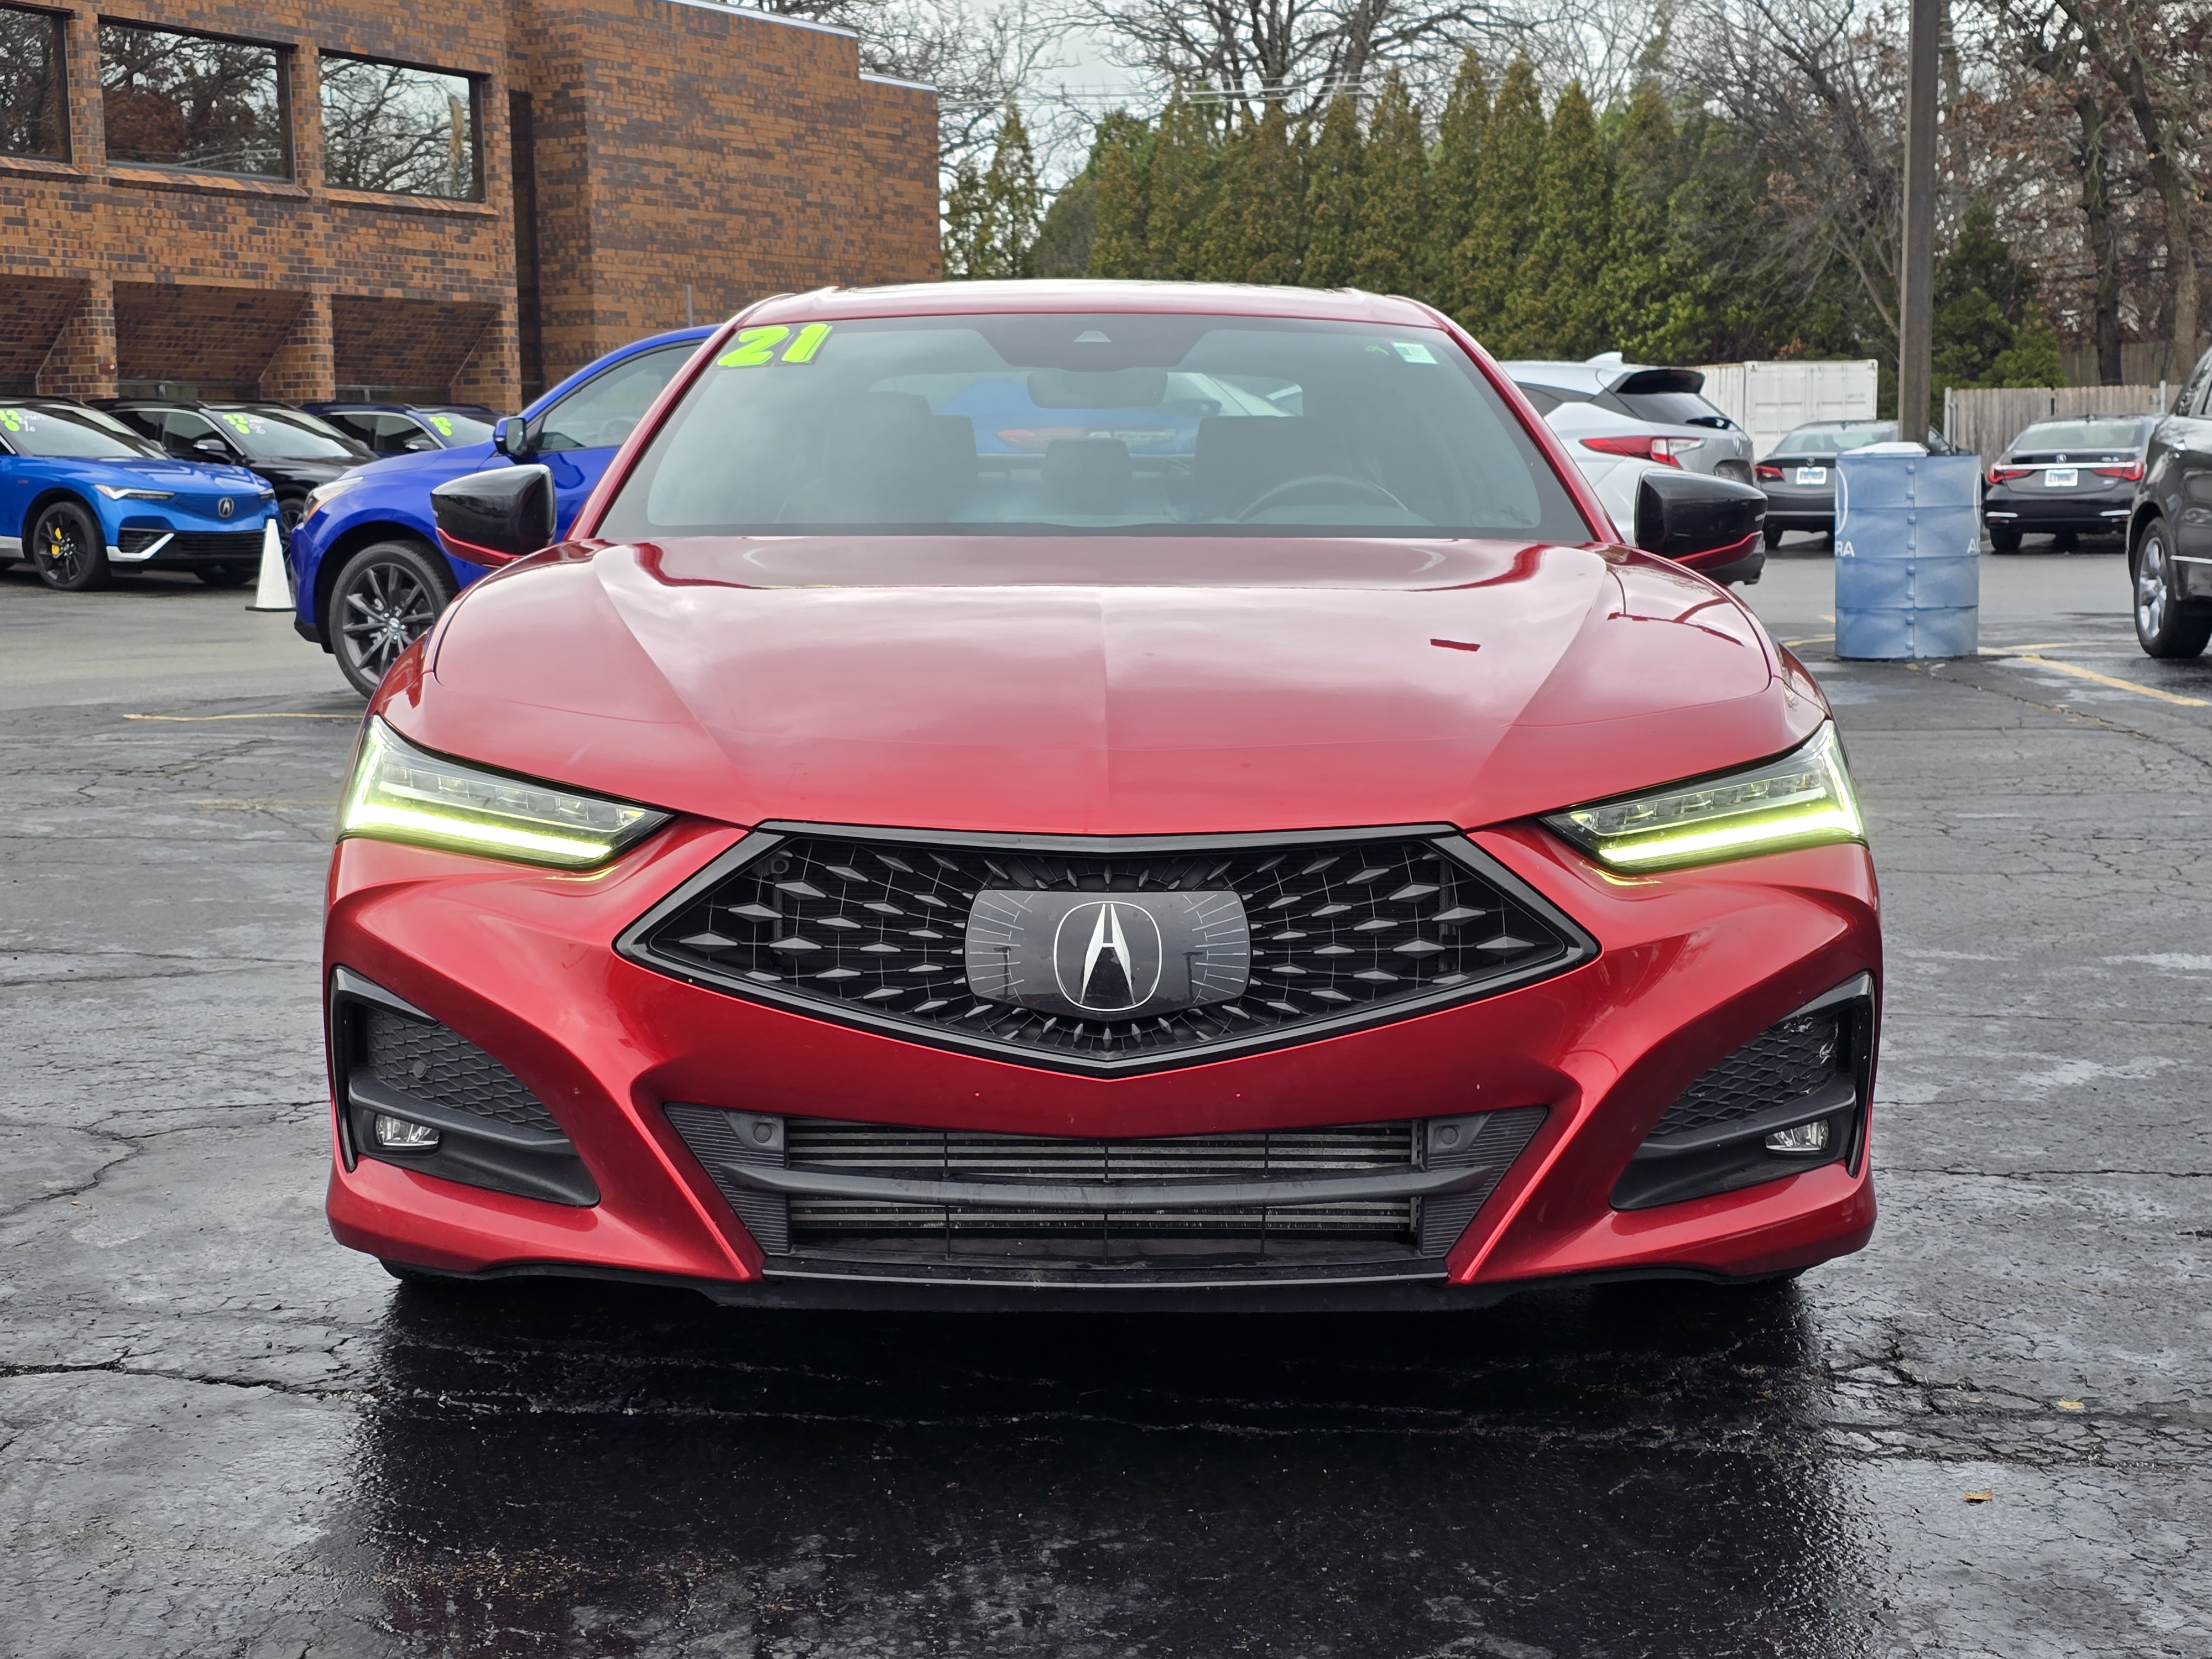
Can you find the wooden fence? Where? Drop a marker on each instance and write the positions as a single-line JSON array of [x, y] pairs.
[[1986, 421]]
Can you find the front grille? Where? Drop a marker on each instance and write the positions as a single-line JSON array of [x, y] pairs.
[[801, 1187], [232, 546], [1342, 931], [1783, 1063], [444, 1067]]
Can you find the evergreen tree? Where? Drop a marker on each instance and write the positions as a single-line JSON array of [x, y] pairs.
[[1559, 310], [2032, 357], [1258, 223], [1502, 222], [991, 219], [1121, 156], [968, 226], [1646, 171], [1333, 192], [1016, 199], [1390, 224], [1180, 199], [1983, 299], [1453, 180], [1070, 226]]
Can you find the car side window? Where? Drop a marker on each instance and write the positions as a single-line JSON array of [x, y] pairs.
[[359, 427], [2192, 399], [181, 430], [400, 434], [605, 411]]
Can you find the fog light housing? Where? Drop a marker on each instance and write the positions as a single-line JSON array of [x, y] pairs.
[[397, 1134], [1805, 1138]]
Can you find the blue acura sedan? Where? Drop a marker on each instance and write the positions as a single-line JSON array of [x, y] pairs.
[[368, 573], [82, 497]]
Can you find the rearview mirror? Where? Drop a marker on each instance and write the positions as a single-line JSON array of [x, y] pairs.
[[491, 517], [1710, 524], [510, 435]]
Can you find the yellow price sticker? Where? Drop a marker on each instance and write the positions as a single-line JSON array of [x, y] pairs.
[[757, 346], [12, 419], [444, 427]]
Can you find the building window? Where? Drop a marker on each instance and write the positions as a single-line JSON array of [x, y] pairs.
[[411, 132], [32, 121], [189, 100]]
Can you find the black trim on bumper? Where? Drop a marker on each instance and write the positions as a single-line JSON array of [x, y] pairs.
[[473, 1149]]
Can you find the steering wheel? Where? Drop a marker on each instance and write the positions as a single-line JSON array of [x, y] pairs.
[[1364, 487]]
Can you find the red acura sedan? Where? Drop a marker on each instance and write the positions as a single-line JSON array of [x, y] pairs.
[[1099, 795]]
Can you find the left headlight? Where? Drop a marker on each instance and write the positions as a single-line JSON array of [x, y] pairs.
[[320, 496], [400, 793], [115, 493], [1803, 799]]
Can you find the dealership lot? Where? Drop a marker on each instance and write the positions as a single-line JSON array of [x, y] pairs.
[[223, 1434]]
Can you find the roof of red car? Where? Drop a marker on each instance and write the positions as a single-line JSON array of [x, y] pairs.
[[1226, 299]]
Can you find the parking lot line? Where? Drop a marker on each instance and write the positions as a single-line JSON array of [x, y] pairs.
[[273, 715], [2079, 672]]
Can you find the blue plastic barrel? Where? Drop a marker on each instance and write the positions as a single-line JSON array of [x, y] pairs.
[[1908, 555]]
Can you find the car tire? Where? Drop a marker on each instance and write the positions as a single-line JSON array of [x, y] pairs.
[[2004, 540], [385, 600], [291, 509], [1773, 534], [223, 575], [66, 549], [2161, 627]]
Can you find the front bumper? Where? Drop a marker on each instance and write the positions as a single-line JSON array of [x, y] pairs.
[[522, 965]]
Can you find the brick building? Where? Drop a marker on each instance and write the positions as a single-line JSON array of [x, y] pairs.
[[399, 197]]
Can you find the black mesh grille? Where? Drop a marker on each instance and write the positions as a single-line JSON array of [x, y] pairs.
[[441, 1067], [1783, 1063], [1340, 933], [237, 546]]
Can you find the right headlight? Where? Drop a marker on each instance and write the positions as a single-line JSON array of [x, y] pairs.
[[319, 496], [400, 793], [1803, 799]]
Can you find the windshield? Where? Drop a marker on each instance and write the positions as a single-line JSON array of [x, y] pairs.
[[285, 434], [1671, 409], [2071, 436], [77, 434], [1113, 423], [458, 428]]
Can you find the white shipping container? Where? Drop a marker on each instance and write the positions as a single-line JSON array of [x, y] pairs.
[[1768, 399]]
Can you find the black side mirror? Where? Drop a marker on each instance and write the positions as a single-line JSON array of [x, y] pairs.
[[490, 517], [511, 435], [1710, 524], [214, 446]]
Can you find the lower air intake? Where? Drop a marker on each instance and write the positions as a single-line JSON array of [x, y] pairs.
[[830, 1190]]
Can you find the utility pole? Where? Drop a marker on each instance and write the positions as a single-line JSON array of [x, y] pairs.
[[1916, 299]]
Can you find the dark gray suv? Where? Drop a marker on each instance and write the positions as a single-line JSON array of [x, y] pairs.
[[2170, 527]]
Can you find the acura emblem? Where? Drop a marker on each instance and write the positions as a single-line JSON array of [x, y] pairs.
[[224, 508], [1108, 955]]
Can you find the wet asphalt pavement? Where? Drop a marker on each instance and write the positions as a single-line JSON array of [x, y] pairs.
[[221, 1434]]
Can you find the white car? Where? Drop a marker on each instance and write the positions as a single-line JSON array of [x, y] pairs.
[[1620, 421]]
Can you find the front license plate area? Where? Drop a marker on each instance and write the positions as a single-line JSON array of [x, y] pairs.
[[1812, 474], [2060, 478]]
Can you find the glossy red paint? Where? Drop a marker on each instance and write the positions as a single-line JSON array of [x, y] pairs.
[[1090, 686]]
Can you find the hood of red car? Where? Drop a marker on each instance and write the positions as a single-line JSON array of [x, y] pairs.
[[1103, 685]]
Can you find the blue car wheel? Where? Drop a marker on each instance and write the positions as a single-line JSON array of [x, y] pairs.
[[66, 551], [384, 600]]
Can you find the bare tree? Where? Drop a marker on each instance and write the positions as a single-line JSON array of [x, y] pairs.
[[2132, 41]]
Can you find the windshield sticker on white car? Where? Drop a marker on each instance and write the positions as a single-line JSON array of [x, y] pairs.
[[1412, 351], [756, 346]]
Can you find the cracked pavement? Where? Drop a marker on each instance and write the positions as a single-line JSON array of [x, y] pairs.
[[221, 1434]]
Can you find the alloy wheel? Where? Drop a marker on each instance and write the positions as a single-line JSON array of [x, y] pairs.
[[386, 609], [62, 547], [2150, 587]]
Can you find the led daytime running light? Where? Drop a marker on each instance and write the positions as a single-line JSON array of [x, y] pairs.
[[1803, 799], [400, 793]]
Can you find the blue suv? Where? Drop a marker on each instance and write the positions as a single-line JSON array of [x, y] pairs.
[[368, 573], [82, 497]]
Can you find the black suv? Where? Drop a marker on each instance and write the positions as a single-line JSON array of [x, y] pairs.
[[2170, 527], [294, 452]]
